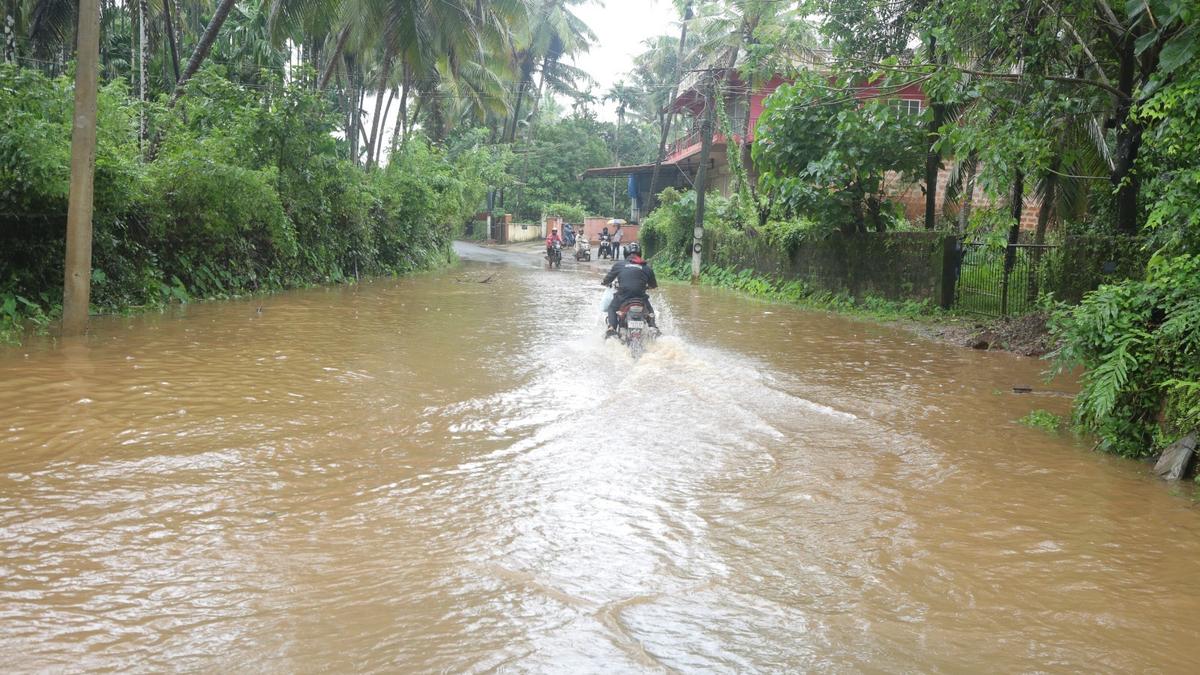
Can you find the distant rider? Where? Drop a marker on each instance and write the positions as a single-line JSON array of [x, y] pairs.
[[633, 276], [550, 239]]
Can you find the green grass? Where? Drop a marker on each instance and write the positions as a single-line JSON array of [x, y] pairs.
[[1044, 420], [798, 293]]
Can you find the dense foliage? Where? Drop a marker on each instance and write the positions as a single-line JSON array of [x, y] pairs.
[[667, 231], [1140, 344], [828, 159], [570, 213], [1139, 340], [547, 165], [247, 192]]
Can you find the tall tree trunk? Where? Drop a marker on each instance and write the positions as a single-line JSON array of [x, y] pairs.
[[744, 156], [314, 60], [670, 115], [748, 159], [1125, 178], [143, 14], [353, 78], [331, 65], [343, 98], [964, 214], [377, 146], [1049, 195], [203, 47], [526, 71], [385, 70], [402, 115], [77, 270], [412, 122], [10, 34], [1129, 140], [933, 156], [537, 102], [169, 27], [512, 134]]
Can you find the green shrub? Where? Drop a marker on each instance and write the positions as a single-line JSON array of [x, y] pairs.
[[247, 190], [570, 213], [1042, 419], [1139, 342]]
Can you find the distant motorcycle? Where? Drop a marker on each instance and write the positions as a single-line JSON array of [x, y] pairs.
[[554, 257], [635, 326], [583, 248], [606, 247]]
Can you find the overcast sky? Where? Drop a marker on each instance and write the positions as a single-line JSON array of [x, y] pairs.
[[620, 27]]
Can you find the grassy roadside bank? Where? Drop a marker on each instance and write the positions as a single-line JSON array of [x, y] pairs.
[[21, 319], [1026, 336]]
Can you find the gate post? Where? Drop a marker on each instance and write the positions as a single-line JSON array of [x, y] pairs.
[[950, 264], [1010, 259]]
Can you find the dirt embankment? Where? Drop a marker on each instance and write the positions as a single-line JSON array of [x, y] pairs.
[[1025, 335]]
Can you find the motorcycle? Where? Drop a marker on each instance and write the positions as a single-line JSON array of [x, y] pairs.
[[606, 247], [554, 257], [635, 326], [583, 249]]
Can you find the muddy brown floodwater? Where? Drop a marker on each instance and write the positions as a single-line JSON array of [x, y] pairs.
[[438, 474]]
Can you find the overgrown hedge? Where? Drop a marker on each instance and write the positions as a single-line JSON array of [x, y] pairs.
[[248, 190]]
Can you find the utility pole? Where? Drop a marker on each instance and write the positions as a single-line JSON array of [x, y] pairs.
[[706, 136], [78, 272]]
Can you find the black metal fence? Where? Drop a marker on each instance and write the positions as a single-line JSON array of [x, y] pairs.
[[1004, 280]]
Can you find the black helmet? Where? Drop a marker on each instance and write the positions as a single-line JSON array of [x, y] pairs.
[[633, 248]]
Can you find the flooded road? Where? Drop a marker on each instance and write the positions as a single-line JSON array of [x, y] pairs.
[[452, 472]]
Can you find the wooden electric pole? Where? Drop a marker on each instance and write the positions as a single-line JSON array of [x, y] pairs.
[[78, 273]]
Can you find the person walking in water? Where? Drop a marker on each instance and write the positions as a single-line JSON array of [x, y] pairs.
[[616, 243]]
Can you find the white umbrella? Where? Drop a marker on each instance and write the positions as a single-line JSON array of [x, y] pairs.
[[616, 221]]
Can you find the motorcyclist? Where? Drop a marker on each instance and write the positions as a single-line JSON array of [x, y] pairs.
[[633, 277], [605, 242], [550, 239]]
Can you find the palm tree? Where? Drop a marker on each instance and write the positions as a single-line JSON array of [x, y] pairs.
[[203, 47], [660, 70], [623, 95], [755, 39]]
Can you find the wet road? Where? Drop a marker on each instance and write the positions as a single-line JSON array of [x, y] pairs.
[[452, 472]]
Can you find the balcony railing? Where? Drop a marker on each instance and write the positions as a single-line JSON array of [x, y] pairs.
[[693, 137], [683, 143]]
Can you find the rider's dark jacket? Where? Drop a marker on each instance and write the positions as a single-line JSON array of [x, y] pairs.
[[632, 277]]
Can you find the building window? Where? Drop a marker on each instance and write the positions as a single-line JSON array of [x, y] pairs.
[[908, 106]]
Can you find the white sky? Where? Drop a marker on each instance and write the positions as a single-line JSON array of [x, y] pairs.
[[620, 27]]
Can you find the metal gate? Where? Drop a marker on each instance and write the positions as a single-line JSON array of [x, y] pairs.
[[1001, 280]]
